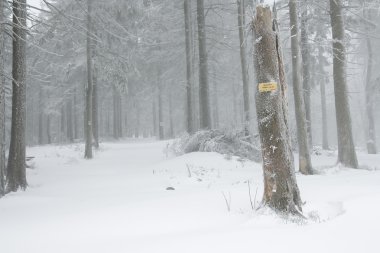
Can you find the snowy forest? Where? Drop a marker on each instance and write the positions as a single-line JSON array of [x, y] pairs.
[[189, 126]]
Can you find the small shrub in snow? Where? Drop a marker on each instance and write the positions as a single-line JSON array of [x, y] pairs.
[[229, 143]]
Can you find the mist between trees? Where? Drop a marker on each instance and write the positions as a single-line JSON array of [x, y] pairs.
[[91, 70]]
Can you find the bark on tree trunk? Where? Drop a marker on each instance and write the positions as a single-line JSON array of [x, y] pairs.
[[40, 116], [89, 88], [280, 187], [69, 121], [204, 104], [161, 134], [371, 131], [95, 113], [346, 147], [2, 102], [171, 120], [322, 82], [244, 68], [16, 173], [371, 137], [303, 147], [189, 67], [306, 71]]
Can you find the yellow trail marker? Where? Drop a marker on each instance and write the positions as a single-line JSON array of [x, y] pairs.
[[266, 87]]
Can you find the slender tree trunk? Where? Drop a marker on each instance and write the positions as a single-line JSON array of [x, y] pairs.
[[154, 112], [244, 68], [371, 137], [204, 104], [75, 119], [189, 67], [280, 187], [171, 123], [69, 121], [95, 111], [116, 133], [16, 173], [306, 70], [40, 116], [89, 87], [303, 147], [371, 131], [346, 147], [325, 140], [161, 134], [2, 102], [215, 100]]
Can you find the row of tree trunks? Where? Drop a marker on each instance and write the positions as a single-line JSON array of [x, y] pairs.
[[302, 137]]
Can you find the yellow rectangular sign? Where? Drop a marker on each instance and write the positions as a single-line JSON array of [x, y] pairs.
[[266, 87]]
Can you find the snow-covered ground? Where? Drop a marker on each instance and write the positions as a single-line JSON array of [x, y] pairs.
[[119, 202]]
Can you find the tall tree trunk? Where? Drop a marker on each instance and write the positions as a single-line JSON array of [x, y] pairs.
[[69, 120], [171, 123], [2, 102], [346, 147], [215, 100], [280, 187], [161, 134], [306, 70], [89, 88], [244, 68], [40, 116], [16, 173], [116, 113], [154, 112], [204, 103], [75, 119], [371, 131], [95, 113], [189, 67], [322, 83], [303, 147]]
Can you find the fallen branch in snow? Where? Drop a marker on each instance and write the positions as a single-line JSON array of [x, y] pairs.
[[228, 201]]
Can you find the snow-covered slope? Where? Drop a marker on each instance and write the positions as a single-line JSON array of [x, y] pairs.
[[121, 202]]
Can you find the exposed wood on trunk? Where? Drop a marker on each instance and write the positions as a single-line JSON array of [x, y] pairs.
[[280, 187], [346, 147]]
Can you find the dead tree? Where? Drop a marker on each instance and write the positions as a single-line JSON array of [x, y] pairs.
[[280, 187]]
